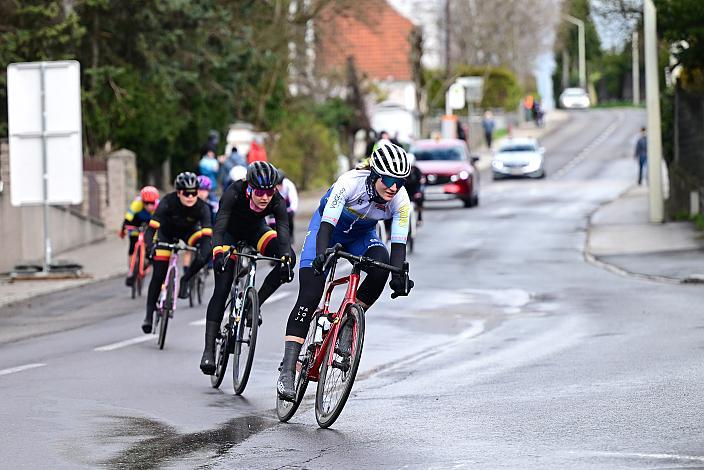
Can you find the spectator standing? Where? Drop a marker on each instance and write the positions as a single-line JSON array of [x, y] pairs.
[[488, 125], [232, 160], [257, 152], [641, 153], [209, 166]]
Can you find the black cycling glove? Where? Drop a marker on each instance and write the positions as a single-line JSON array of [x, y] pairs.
[[318, 264], [398, 286], [286, 269]]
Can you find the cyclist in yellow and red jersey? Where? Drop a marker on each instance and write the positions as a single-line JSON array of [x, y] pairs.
[[139, 213]]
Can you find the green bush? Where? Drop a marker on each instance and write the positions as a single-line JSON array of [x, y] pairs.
[[305, 149], [501, 87]]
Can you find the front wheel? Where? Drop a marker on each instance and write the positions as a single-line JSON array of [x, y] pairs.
[[245, 340], [165, 312], [338, 372]]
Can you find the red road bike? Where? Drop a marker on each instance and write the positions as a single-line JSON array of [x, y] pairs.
[[320, 359], [138, 262]]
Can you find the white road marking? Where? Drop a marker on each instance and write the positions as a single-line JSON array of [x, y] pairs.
[[12, 370], [639, 455], [122, 344], [200, 322]]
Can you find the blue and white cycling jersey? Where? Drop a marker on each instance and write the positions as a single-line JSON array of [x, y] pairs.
[[348, 207]]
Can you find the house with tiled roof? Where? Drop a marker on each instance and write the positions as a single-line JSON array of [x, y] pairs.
[[378, 38]]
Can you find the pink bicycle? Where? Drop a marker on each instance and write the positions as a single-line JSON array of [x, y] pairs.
[[166, 305]]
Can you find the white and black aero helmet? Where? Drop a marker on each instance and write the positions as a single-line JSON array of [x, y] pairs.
[[186, 180], [390, 160], [262, 175]]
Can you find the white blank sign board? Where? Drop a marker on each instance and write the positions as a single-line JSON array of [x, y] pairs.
[[61, 129]]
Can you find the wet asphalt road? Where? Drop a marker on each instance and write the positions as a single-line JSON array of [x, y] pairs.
[[511, 352]]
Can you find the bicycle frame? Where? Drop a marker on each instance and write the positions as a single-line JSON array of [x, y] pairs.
[[251, 275], [352, 281], [173, 267], [139, 254]]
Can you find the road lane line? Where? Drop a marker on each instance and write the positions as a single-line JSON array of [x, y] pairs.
[[12, 370], [274, 298], [122, 344]]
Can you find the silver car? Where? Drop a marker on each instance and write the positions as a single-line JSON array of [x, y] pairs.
[[519, 158], [574, 98]]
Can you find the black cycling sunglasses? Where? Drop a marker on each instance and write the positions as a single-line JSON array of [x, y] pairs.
[[189, 193]]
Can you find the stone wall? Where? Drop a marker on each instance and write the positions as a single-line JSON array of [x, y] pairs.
[[106, 195]]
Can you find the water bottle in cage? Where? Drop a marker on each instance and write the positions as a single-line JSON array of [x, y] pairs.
[[321, 329]]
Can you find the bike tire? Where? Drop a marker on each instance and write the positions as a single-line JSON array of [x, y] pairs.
[[134, 274], [139, 281], [191, 294], [201, 288], [222, 355], [166, 312], [335, 385], [242, 368], [286, 409]]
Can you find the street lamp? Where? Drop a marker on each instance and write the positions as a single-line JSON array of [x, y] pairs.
[[582, 59]]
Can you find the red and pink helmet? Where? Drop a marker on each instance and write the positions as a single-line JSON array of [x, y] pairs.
[[149, 194]]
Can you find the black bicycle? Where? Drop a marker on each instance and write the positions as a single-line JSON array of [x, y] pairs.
[[238, 334]]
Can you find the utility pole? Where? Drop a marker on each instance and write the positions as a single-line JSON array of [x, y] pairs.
[[582, 50], [636, 68], [652, 97], [447, 39]]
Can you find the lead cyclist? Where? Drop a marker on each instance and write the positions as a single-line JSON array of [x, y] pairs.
[[348, 214]]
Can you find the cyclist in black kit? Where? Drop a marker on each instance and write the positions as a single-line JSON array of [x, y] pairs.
[[181, 215], [243, 207]]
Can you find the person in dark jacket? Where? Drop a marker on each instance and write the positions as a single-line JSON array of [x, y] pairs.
[[641, 154]]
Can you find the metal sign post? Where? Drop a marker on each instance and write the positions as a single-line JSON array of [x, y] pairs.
[[44, 120]]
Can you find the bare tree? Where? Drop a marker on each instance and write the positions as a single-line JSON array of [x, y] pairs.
[[510, 33]]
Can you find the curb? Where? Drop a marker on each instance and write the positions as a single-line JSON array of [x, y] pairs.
[[54, 289], [614, 269]]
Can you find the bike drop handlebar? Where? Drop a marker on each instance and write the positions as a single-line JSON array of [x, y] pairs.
[[258, 257], [175, 246], [336, 252]]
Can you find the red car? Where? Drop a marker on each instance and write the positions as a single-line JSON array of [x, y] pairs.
[[448, 169]]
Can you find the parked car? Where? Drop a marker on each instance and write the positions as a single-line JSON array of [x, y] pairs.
[[574, 98], [448, 169], [519, 158]]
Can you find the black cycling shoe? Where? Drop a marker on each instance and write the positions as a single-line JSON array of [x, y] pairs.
[[285, 386], [183, 289], [344, 341], [207, 362], [147, 323]]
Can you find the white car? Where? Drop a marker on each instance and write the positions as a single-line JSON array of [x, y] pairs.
[[518, 158], [574, 98]]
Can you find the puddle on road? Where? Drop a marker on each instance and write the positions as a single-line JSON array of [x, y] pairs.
[[162, 444]]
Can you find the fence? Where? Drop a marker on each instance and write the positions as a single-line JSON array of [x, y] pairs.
[[687, 167]]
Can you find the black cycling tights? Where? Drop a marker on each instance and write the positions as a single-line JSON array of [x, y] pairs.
[[160, 268], [223, 283], [311, 290]]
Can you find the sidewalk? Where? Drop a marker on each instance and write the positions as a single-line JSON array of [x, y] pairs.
[[108, 259], [553, 120], [621, 239]]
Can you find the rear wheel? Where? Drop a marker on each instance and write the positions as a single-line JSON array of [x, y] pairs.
[[338, 373], [168, 308], [191, 291], [201, 287], [245, 340], [286, 409]]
